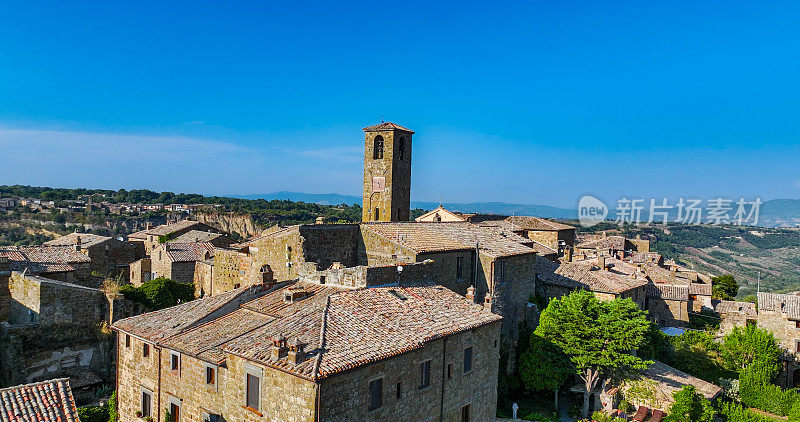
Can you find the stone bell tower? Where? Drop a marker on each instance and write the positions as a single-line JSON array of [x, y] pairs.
[[387, 173]]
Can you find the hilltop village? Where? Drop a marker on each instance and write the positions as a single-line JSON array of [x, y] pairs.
[[392, 318]]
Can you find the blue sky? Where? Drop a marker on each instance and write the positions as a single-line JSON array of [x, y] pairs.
[[530, 102]]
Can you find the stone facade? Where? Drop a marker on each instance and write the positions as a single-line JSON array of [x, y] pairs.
[[387, 173]]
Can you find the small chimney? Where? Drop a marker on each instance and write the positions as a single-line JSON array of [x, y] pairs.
[[77, 243], [568, 254], [76, 230], [673, 272], [601, 262], [278, 347], [5, 266], [487, 303], [471, 294], [296, 355]]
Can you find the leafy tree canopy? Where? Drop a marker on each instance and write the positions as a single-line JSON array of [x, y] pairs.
[[159, 293], [689, 405], [724, 287], [598, 337], [744, 346], [543, 366]]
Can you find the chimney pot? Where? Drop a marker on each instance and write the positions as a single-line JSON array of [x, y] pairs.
[[295, 353], [471, 294]]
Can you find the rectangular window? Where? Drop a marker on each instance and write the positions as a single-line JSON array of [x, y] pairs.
[[375, 393], [175, 361], [797, 324], [449, 370], [460, 267], [425, 374], [467, 359], [465, 413], [253, 391], [211, 375], [147, 398], [377, 214], [175, 411], [399, 390], [127, 340], [145, 350]]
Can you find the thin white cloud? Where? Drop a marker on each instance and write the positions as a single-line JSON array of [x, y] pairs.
[[343, 154]]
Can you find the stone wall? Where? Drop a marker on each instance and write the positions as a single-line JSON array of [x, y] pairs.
[[203, 273], [230, 222], [111, 258], [140, 271], [394, 201], [44, 301], [346, 396], [668, 312]]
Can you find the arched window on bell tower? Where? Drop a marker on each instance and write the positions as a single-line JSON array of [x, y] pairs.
[[377, 148]]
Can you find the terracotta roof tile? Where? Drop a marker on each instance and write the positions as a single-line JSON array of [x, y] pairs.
[[38, 402], [788, 304], [537, 224], [731, 306], [586, 275], [43, 259], [437, 237], [386, 126], [87, 240], [340, 328]]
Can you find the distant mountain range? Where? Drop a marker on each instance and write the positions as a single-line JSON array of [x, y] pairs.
[[773, 213]]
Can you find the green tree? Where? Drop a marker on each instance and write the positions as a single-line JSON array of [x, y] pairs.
[[724, 287], [159, 293], [543, 366], [689, 405], [598, 337], [743, 346], [794, 412]]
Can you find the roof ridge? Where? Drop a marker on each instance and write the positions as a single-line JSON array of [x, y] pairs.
[[322, 332]]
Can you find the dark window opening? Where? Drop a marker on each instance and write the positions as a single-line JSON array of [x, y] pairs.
[[146, 401], [467, 359], [425, 374], [145, 350], [175, 362], [465, 413], [377, 148], [322, 279], [460, 267], [127, 340], [253, 391], [375, 392], [175, 411], [401, 149], [449, 370], [377, 214], [211, 375], [399, 390]]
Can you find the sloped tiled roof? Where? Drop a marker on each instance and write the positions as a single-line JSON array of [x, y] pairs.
[[166, 229], [43, 259], [195, 236], [340, 328], [731, 306], [616, 243], [700, 289], [187, 252], [669, 380], [386, 126], [427, 237], [668, 291], [788, 304], [586, 275], [537, 224], [47, 401], [87, 240]]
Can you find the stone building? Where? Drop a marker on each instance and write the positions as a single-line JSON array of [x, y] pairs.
[[601, 276], [219, 240], [109, 257], [502, 270], [387, 173], [780, 314], [304, 351], [55, 262], [611, 245], [52, 330], [172, 260], [149, 238], [439, 215], [735, 314]]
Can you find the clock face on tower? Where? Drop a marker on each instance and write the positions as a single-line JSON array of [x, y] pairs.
[[378, 183]]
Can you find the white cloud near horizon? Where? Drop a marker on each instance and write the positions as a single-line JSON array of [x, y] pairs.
[[169, 163]]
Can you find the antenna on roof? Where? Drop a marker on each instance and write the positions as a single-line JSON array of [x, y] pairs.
[[758, 286], [381, 119]]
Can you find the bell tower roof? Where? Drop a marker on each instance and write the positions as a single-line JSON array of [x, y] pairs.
[[387, 126]]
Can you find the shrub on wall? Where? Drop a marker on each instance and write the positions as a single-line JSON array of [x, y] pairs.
[[733, 412], [756, 390], [159, 293]]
